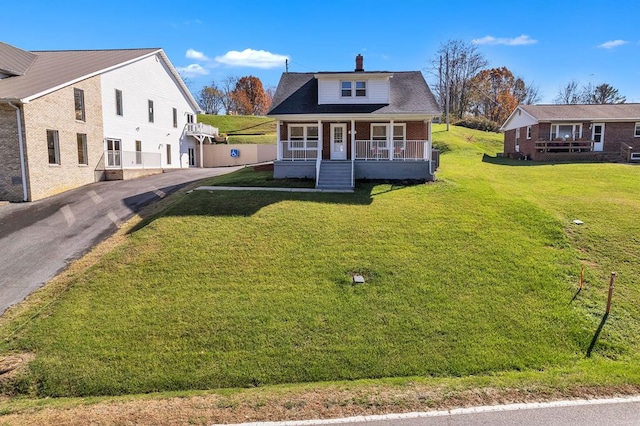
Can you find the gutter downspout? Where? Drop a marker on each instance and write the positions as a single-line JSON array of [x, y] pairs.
[[25, 195]]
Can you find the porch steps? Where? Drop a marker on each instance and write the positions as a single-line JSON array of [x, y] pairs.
[[334, 175]]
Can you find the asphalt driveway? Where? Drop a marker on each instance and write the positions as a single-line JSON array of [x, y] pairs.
[[39, 239]]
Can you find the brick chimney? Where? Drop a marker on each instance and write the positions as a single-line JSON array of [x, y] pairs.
[[359, 60]]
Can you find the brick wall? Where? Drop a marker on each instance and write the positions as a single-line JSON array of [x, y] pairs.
[[10, 168], [616, 133], [56, 111]]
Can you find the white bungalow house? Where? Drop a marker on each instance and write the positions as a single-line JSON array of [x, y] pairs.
[[336, 127], [68, 118]]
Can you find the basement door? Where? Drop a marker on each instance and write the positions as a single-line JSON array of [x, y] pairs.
[[597, 135], [338, 141]]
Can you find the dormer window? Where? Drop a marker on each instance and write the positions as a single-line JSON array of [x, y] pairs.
[[347, 88]]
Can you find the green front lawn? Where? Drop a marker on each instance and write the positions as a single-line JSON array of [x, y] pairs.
[[474, 274]]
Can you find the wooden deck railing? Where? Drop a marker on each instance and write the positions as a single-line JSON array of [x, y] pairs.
[[564, 146]]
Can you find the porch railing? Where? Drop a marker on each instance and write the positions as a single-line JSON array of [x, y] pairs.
[[298, 150], [555, 146], [132, 160], [201, 129], [412, 150]]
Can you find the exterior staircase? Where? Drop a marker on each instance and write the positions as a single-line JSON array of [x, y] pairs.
[[335, 175]]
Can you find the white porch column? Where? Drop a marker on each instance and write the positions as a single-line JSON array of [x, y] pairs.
[[391, 142], [279, 144], [320, 141], [427, 154], [201, 154], [353, 140]]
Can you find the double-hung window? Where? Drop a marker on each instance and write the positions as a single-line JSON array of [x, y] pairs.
[[345, 87], [636, 132], [361, 88]]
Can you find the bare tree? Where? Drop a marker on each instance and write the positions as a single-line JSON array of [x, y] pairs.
[[454, 65], [269, 92], [210, 98], [601, 94], [527, 94], [569, 94], [227, 87]]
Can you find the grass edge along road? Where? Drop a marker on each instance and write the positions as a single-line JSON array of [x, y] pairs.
[[622, 373]]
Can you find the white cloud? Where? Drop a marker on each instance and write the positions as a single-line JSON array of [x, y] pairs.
[[516, 41], [612, 43], [194, 54], [252, 58], [193, 70]]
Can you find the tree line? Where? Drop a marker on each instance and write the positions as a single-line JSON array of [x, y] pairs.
[[236, 95], [466, 86]]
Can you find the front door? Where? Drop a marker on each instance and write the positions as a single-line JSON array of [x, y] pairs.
[[338, 141], [597, 135], [192, 157]]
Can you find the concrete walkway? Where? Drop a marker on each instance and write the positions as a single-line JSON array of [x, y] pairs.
[[266, 188]]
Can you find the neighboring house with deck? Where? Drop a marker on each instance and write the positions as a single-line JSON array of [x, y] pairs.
[[336, 127], [69, 118], [573, 132]]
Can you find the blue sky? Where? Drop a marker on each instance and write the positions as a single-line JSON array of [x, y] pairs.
[[547, 43]]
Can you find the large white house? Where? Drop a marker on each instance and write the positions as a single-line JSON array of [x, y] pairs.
[[68, 118]]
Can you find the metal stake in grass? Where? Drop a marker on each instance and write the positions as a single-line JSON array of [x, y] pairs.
[[613, 278]]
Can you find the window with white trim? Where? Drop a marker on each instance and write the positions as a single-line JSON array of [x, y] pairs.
[[528, 132], [347, 88], [636, 132], [303, 136], [53, 147], [81, 140], [566, 131], [517, 134], [150, 105]]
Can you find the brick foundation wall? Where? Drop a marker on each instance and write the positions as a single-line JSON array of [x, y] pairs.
[[55, 111]]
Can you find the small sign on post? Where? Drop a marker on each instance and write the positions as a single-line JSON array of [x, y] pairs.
[[235, 153]]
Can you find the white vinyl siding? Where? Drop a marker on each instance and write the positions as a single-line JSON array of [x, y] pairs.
[[160, 87], [330, 91]]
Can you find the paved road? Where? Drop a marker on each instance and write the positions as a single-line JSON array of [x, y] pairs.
[[609, 412], [39, 239]]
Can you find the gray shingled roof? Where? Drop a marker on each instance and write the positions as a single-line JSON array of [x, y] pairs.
[[621, 112], [297, 93], [53, 69], [14, 61]]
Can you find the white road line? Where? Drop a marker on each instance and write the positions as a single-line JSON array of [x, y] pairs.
[[68, 215], [455, 411], [95, 197]]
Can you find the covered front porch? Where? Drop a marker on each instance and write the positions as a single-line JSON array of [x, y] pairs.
[[380, 149]]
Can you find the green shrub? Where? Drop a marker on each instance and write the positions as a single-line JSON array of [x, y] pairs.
[[478, 123]]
